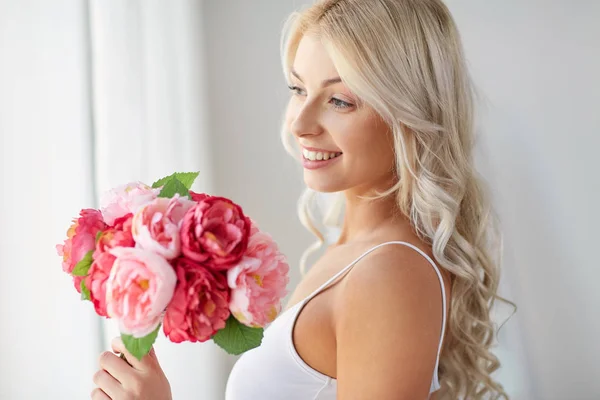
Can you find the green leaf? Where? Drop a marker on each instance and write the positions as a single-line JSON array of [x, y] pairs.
[[237, 338], [85, 292], [82, 267], [139, 347], [174, 186], [98, 235], [187, 178]]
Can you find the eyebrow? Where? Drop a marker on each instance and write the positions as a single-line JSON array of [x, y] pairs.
[[325, 83]]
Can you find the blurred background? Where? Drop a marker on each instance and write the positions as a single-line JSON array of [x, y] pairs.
[[98, 93]]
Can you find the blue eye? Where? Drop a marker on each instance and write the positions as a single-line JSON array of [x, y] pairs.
[[337, 103], [340, 104], [295, 89]]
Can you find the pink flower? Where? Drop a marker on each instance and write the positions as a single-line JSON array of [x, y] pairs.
[[96, 281], [118, 236], [215, 232], [258, 282], [81, 238], [156, 225], [199, 307], [126, 199], [140, 285], [77, 283]]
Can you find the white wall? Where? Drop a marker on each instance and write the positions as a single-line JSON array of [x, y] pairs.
[[537, 62], [46, 333]]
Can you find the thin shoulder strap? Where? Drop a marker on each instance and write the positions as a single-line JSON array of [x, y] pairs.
[[343, 271], [366, 253]]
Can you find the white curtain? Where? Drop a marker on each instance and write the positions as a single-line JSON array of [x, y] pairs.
[[92, 95], [150, 119], [48, 338]]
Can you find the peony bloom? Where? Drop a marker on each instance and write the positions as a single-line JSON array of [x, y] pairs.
[[199, 307], [140, 285], [77, 282], [96, 279], [156, 225], [215, 232], [258, 282], [117, 236], [126, 199], [81, 238], [197, 197]]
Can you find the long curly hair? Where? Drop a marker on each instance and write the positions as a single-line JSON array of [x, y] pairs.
[[404, 58]]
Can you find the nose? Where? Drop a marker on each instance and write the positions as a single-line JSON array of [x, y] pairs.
[[305, 122]]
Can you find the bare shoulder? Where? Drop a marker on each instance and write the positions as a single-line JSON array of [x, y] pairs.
[[394, 272], [388, 325]]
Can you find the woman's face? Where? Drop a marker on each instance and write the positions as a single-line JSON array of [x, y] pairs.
[[344, 147]]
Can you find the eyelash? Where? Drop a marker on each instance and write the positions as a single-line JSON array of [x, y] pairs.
[[336, 102]]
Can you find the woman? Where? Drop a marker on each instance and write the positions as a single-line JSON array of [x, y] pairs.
[[381, 112]]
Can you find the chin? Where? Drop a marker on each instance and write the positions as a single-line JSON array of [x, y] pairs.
[[322, 184]]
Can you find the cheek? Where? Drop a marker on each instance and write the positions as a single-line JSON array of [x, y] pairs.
[[370, 150], [385, 148], [367, 141]]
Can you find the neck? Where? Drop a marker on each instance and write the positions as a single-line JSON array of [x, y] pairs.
[[364, 218]]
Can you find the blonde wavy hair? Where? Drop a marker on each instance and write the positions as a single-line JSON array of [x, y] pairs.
[[404, 58]]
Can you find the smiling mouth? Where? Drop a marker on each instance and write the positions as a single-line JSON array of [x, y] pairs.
[[319, 155]]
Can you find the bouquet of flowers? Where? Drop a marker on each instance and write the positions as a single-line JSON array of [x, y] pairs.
[[164, 256]]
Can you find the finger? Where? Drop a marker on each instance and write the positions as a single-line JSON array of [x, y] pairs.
[[118, 347], [152, 356], [109, 385], [115, 366], [148, 361], [98, 394]]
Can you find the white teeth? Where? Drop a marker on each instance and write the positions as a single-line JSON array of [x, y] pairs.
[[318, 156]]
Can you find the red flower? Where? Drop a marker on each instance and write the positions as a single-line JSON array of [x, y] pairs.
[[118, 236], [200, 304], [81, 238], [197, 197], [96, 281], [215, 233]]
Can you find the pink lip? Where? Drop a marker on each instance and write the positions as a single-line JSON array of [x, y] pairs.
[[308, 164]]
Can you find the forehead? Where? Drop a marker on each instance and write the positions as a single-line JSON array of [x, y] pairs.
[[312, 62]]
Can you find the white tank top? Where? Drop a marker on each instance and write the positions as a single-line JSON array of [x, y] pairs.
[[275, 370]]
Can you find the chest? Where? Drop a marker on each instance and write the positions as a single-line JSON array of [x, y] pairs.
[[313, 331]]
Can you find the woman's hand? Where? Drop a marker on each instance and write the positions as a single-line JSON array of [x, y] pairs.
[[117, 380]]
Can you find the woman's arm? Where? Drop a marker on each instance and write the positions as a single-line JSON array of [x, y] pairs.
[[389, 327]]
